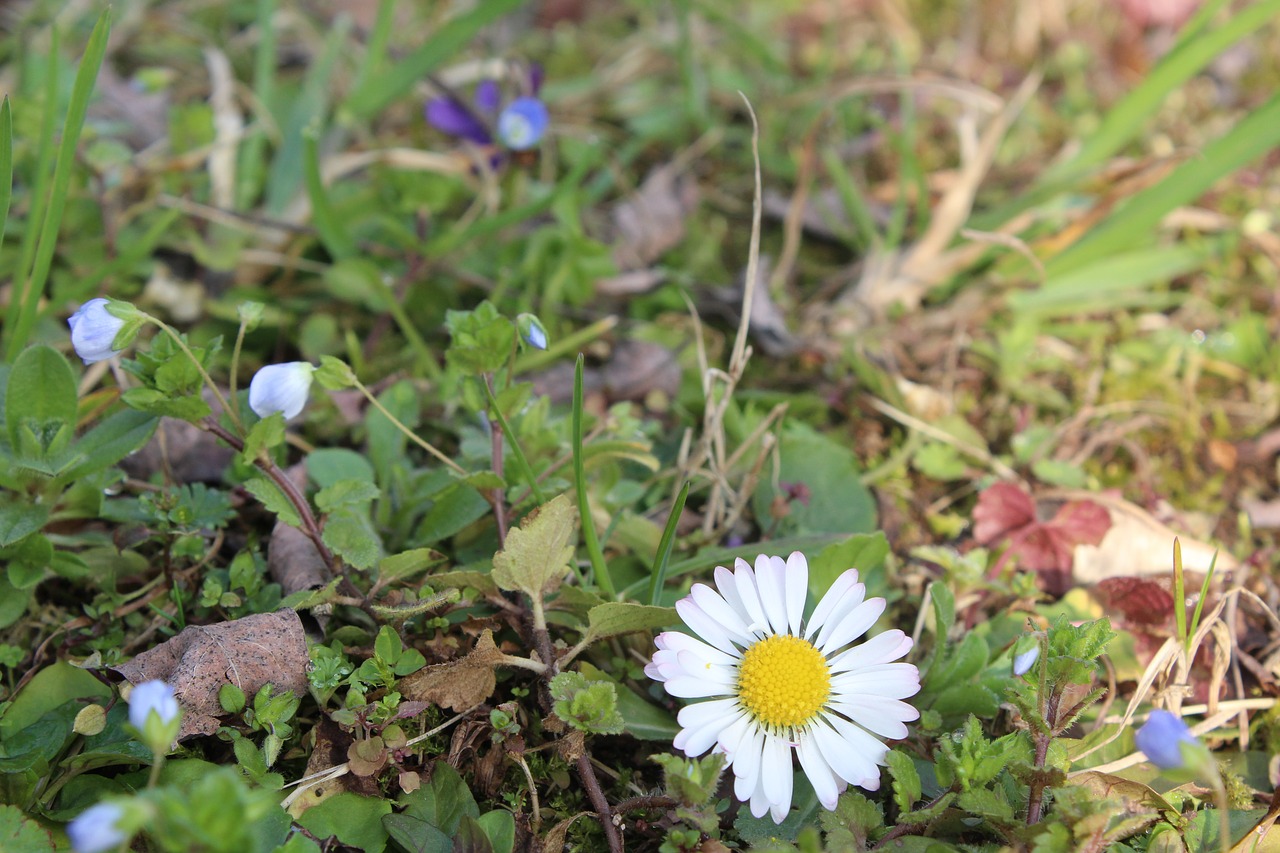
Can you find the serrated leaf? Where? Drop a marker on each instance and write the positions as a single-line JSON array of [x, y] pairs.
[[623, 617], [536, 557], [351, 536], [346, 493], [407, 564], [270, 496], [265, 434], [906, 781], [305, 599]]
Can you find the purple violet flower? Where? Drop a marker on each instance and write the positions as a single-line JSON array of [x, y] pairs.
[[518, 124]]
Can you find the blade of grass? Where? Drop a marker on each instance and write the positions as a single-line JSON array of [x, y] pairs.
[[1129, 116], [383, 87], [598, 565], [43, 175], [375, 55], [6, 164], [308, 110], [332, 230], [253, 151], [1137, 219], [81, 91], [658, 574], [1109, 284], [865, 234]]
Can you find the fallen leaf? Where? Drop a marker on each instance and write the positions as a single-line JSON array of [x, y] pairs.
[[652, 220], [460, 684], [249, 652], [293, 561]]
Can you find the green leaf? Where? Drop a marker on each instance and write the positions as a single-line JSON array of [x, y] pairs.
[[40, 403], [347, 493], [269, 494], [352, 536], [862, 551], [110, 441], [906, 781], [499, 827], [190, 408], [454, 508], [590, 706], [18, 833], [47, 690], [623, 617], [6, 164], [13, 602], [331, 465], [443, 802], [355, 820], [265, 434], [407, 564], [19, 520], [644, 720], [537, 555], [837, 500], [416, 835]]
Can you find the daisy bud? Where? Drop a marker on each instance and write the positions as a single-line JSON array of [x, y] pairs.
[[97, 829], [1162, 737], [280, 388], [154, 712], [532, 331], [102, 328], [522, 123]]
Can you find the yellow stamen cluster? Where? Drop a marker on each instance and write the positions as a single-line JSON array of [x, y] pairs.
[[783, 681]]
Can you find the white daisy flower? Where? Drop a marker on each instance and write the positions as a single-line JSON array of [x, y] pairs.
[[778, 683]]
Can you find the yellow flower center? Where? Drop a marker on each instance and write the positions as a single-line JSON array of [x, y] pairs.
[[783, 681]]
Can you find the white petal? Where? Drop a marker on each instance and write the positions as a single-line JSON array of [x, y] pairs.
[[797, 582], [776, 773], [853, 626], [703, 723], [746, 763], [891, 680], [700, 680], [882, 648], [852, 760], [769, 582], [876, 714], [820, 774], [280, 388], [720, 610], [728, 588], [703, 625], [849, 599], [745, 581]]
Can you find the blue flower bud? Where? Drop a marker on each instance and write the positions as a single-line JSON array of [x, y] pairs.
[[1022, 663], [522, 123], [280, 388], [96, 326], [96, 829], [532, 331], [152, 696], [1161, 739]]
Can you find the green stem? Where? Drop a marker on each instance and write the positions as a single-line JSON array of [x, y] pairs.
[[410, 434], [235, 364], [522, 462], [598, 565]]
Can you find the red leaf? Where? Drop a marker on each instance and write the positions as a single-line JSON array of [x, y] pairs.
[[1001, 509], [1083, 522], [1142, 600]]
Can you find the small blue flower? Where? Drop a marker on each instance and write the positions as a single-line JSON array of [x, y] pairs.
[[96, 830], [523, 123], [281, 388], [152, 696], [1161, 738]]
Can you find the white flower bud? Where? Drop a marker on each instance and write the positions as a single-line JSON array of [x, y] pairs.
[[94, 330], [281, 388], [152, 696]]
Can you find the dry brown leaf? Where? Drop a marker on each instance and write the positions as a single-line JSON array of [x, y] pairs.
[[249, 652], [292, 558], [1138, 544], [187, 453], [636, 369], [652, 220], [460, 684]]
